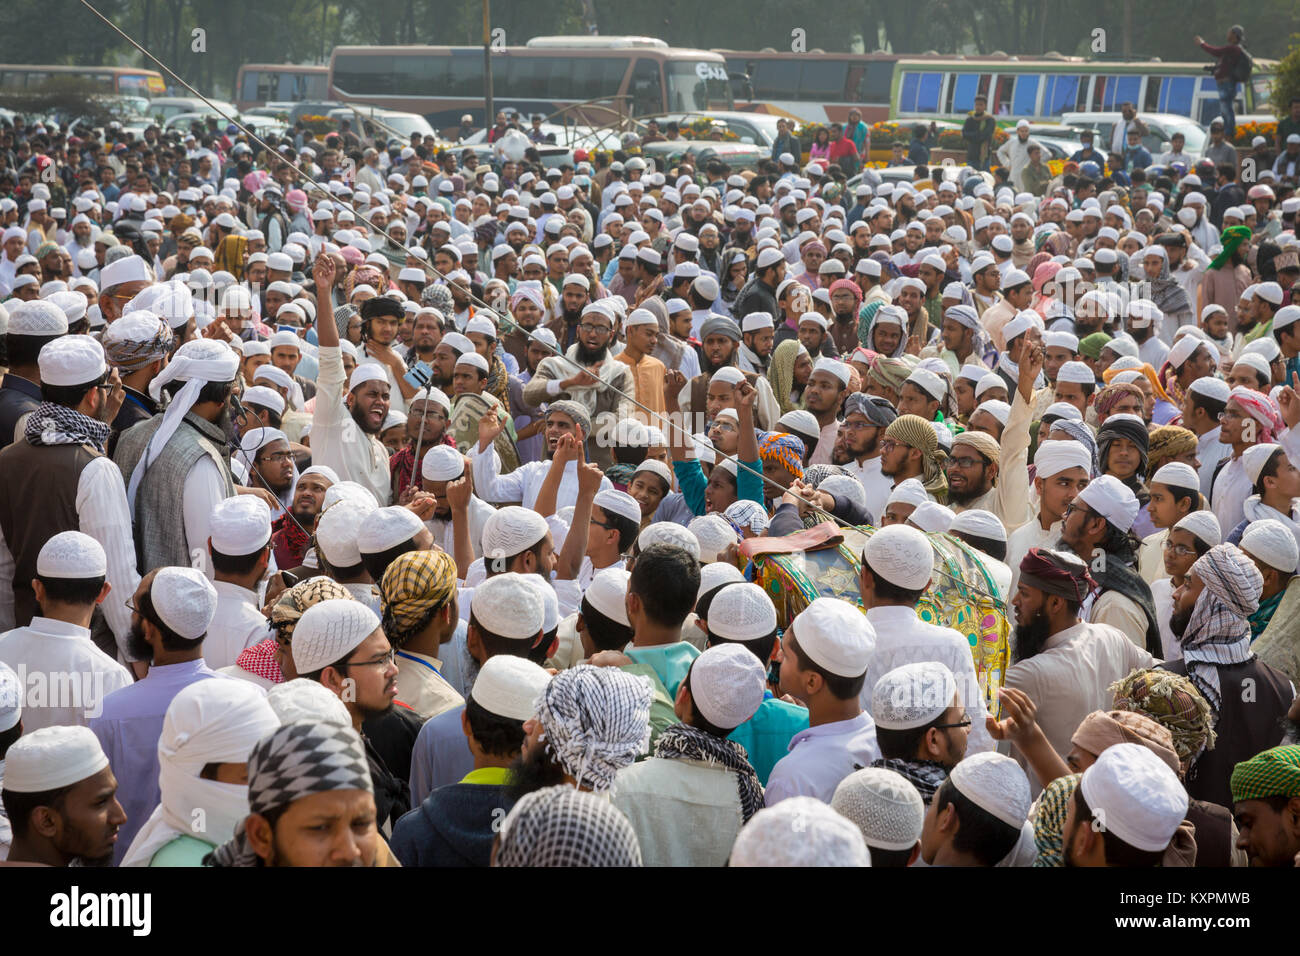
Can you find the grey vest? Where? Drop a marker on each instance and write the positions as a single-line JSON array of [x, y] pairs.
[[159, 518]]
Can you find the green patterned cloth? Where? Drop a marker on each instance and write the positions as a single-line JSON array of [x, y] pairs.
[[1274, 773]]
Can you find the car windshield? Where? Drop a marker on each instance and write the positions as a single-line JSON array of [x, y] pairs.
[[405, 124]]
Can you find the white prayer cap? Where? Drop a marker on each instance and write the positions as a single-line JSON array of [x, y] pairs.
[[1255, 361], [714, 534], [1272, 542], [755, 321], [640, 317], [72, 555], [655, 467], [273, 374], [740, 612], [883, 805], [329, 631], [607, 593], [1177, 474], [1013, 277], [128, 269], [901, 555], [728, 375], [475, 360], [1122, 345], [11, 698], [240, 524], [52, 758], [1113, 500], [996, 407], [1267, 347], [990, 380], [995, 784], [508, 686], [669, 533], [840, 370], [386, 528], [73, 304], [1255, 458], [799, 832], [932, 517], [912, 695], [715, 574], [1061, 340], [507, 605], [1019, 325], [972, 373], [727, 684], [431, 394], [1215, 388], [301, 699], [72, 360], [800, 421], [248, 349], [185, 600], [909, 491], [258, 395], [1202, 525], [769, 257], [1140, 799], [365, 372], [1270, 292], [1054, 457], [481, 325], [619, 503], [835, 635], [1286, 316], [978, 523], [285, 338], [326, 472], [1064, 410], [928, 382], [442, 463], [347, 491], [37, 317], [512, 530], [337, 530]]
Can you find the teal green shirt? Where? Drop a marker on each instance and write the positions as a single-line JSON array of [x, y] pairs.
[[766, 736], [182, 851], [669, 661]]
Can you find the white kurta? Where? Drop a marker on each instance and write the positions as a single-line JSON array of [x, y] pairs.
[[1209, 452], [525, 482], [684, 812], [237, 625], [336, 440], [64, 676], [876, 485], [1231, 489], [444, 533], [1031, 535], [903, 638], [820, 757]]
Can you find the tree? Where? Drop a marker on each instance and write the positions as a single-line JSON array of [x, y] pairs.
[[1286, 85]]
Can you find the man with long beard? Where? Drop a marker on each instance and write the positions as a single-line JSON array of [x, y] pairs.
[[345, 428], [589, 375], [865, 421], [164, 623], [1066, 665], [340, 645]]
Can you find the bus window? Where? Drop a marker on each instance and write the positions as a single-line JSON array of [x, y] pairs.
[[776, 80], [822, 80], [920, 93], [1061, 93], [464, 74], [697, 85], [1110, 91], [1176, 94], [1001, 101], [597, 77], [961, 92], [869, 82], [1024, 101], [646, 90], [1151, 98]]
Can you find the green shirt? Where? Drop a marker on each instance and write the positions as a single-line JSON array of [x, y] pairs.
[[662, 712], [488, 776]]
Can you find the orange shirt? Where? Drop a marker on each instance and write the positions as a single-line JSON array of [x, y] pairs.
[[648, 374]]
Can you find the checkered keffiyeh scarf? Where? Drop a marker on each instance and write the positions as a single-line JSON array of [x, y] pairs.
[[54, 424], [684, 742], [595, 721], [415, 584], [1219, 632], [563, 826], [127, 355], [295, 761], [926, 775]]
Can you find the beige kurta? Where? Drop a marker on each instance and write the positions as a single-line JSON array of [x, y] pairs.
[[421, 686]]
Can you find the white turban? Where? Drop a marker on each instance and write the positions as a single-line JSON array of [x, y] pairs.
[[1054, 457]]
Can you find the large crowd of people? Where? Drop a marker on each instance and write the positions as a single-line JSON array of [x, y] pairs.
[[395, 504]]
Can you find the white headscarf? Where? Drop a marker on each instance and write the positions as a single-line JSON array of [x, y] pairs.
[[195, 363], [212, 721]]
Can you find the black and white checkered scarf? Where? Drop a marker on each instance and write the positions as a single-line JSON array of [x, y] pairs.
[[295, 761], [684, 742], [53, 424]]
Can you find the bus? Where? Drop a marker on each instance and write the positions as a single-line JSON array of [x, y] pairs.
[[120, 80], [625, 75], [816, 87], [1042, 89], [260, 84]]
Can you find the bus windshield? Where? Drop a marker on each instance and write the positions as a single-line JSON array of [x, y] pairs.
[[698, 85]]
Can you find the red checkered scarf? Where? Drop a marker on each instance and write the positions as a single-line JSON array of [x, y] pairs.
[[260, 660]]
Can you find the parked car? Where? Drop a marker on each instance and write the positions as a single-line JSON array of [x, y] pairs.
[[755, 129], [736, 155], [163, 108], [1160, 130]]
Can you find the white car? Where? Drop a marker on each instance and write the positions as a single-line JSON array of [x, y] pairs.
[[165, 107], [1160, 129]]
